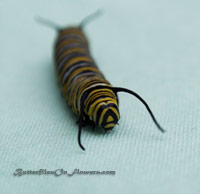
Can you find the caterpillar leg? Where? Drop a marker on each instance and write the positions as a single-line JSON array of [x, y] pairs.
[[93, 127], [84, 122]]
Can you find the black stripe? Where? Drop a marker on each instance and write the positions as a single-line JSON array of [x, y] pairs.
[[69, 46], [72, 54], [73, 68], [78, 63], [66, 58], [68, 37], [100, 110]]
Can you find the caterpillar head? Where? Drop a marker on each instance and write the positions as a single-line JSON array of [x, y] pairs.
[[107, 115]]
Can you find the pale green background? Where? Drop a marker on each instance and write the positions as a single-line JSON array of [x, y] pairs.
[[151, 47]]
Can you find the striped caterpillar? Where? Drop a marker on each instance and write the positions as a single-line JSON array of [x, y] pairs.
[[84, 87]]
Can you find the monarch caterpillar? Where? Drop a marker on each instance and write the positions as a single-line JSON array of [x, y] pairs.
[[83, 85]]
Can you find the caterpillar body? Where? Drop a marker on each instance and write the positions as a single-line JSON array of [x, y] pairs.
[[84, 87]]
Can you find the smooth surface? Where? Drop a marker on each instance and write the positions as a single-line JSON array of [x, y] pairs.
[[151, 47]]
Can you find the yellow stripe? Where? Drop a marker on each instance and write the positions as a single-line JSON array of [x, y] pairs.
[[98, 95], [76, 31], [110, 119], [94, 104], [71, 30], [97, 78], [65, 42], [109, 125], [96, 109], [99, 90]]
